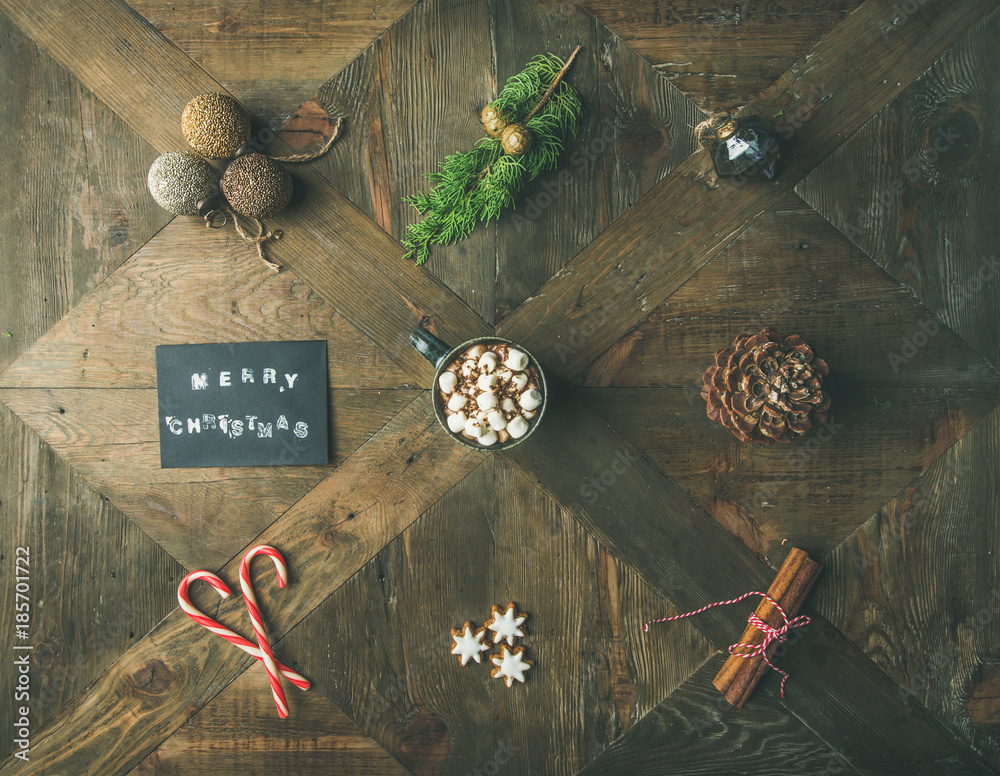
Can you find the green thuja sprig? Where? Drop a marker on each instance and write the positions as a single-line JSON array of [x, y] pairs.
[[477, 185]]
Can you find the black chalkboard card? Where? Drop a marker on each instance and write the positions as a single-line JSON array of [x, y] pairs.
[[242, 404]]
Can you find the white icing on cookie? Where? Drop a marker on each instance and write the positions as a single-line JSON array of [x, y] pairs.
[[510, 664], [506, 625], [470, 644]]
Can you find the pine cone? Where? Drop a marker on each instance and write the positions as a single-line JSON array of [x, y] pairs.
[[767, 387]]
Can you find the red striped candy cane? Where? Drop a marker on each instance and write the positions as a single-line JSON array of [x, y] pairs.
[[221, 630], [258, 622]]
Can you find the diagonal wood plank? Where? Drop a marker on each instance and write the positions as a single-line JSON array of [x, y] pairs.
[[327, 536], [237, 733], [77, 626], [77, 205], [915, 188], [88, 387], [112, 439], [695, 732], [919, 592], [724, 54], [379, 647], [635, 128], [272, 56], [890, 418], [652, 526], [330, 244], [691, 215]]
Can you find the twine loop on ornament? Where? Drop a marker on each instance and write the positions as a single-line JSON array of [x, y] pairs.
[[263, 235], [207, 210], [772, 636]]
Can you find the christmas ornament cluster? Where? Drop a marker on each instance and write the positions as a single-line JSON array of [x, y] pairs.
[[216, 127]]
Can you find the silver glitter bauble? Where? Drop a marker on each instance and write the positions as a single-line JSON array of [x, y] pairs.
[[178, 181]]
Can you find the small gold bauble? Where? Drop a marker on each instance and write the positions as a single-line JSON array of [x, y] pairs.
[[492, 120], [516, 139], [215, 125], [256, 186]]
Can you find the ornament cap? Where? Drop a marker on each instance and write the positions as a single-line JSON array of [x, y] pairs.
[[727, 130]]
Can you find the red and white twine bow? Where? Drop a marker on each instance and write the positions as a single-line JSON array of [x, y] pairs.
[[262, 651], [771, 635]]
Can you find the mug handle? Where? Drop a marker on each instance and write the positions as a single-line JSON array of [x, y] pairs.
[[429, 346]]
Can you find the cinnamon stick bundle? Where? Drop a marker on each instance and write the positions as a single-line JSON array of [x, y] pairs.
[[740, 675]]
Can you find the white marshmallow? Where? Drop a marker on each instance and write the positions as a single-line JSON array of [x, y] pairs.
[[468, 367], [497, 420], [487, 400], [507, 405], [519, 381], [504, 374], [529, 414], [475, 351], [488, 361], [448, 381], [456, 402], [489, 438], [516, 359], [518, 427], [456, 422], [530, 399], [475, 428], [487, 382]]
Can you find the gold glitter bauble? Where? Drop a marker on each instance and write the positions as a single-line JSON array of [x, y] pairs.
[[492, 120], [215, 125], [516, 139], [256, 186]]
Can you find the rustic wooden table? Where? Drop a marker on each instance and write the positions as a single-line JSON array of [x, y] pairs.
[[877, 244]]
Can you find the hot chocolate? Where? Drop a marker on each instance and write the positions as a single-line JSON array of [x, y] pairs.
[[490, 393]]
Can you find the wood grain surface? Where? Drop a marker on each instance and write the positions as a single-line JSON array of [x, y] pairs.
[[914, 189], [330, 244], [721, 55], [792, 271], [77, 205], [696, 731], [686, 219], [919, 591], [626, 505], [94, 578], [272, 62], [391, 670], [237, 732], [648, 523], [178, 666]]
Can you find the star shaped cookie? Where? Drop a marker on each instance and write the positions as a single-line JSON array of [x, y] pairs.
[[469, 643], [506, 624], [510, 664]]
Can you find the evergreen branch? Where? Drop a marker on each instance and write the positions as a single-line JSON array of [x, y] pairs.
[[477, 185]]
